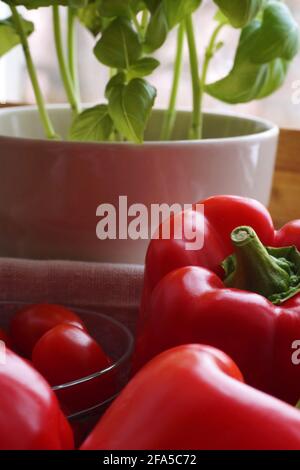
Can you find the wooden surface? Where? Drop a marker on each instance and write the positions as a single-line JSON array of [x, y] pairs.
[[285, 202]]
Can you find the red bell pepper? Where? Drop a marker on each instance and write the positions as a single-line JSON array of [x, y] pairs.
[[192, 397], [249, 308], [30, 417]]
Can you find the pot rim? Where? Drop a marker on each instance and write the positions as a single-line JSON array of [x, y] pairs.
[[271, 130]]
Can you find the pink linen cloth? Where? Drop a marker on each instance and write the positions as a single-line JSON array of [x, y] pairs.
[[113, 289]]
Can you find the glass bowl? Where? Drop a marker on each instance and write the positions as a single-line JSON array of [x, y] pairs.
[[85, 400]]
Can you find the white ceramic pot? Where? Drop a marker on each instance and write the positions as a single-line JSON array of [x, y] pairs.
[[49, 191]]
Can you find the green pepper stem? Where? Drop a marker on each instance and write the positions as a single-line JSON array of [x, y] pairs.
[[256, 270], [170, 115], [45, 119]]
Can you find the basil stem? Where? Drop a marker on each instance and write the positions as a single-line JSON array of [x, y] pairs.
[[209, 54], [144, 22], [64, 71], [46, 122], [196, 128], [71, 42], [170, 114]]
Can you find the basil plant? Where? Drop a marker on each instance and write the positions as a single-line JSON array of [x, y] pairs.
[[127, 33]]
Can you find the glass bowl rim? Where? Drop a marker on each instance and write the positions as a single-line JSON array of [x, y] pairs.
[[126, 355]]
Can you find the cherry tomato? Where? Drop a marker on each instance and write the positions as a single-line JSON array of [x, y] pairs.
[[5, 338], [32, 322], [67, 353]]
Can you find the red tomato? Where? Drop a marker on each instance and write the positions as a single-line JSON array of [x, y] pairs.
[[5, 338], [32, 322], [67, 353]]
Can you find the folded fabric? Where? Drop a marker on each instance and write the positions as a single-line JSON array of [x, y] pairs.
[[113, 289]]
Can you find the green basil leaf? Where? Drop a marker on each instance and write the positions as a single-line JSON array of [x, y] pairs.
[[119, 45], [221, 18], [138, 5], [243, 81], [274, 79], [118, 79], [9, 37], [157, 30], [111, 8], [143, 67], [248, 80], [92, 125], [278, 35], [130, 107], [78, 3], [152, 5], [177, 10], [91, 19], [241, 85], [240, 12], [165, 15], [245, 46], [32, 4]]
